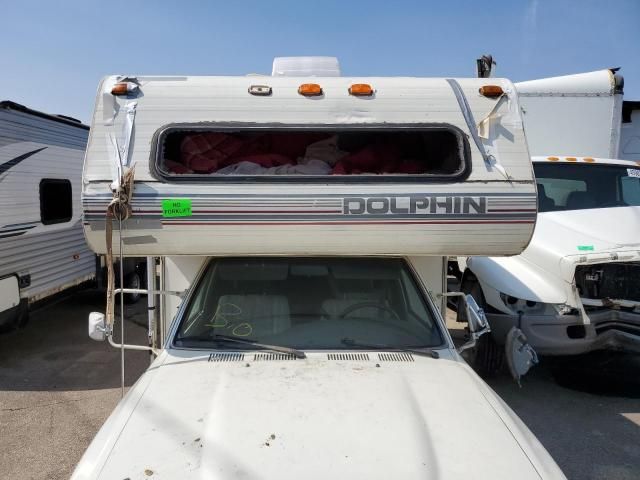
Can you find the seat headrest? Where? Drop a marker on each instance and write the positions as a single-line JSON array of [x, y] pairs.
[[578, 200]]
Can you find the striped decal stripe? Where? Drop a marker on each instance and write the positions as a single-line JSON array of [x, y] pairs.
[[329, 209]]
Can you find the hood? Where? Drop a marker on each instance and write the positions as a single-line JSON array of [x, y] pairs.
[[601, 228], [314, 418], [544, 271], [562, 239]]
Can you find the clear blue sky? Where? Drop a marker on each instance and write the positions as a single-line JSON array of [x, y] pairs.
[[53, 53]]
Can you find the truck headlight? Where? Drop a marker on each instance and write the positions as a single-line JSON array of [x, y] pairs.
[[520, 305], [531, 307]]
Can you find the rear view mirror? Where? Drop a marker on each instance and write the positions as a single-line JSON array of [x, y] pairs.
[[476, 319], [97, 326], [475, 315]]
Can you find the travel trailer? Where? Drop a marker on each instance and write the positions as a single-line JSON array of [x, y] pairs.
[[42, 246], [302, 225]]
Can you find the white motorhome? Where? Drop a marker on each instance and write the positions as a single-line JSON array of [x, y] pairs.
[[304, 224], [42, 246], [574, 288]]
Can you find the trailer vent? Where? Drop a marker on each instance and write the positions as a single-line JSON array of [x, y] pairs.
[[395, 357], [226, 357], [271, 357], [348, 356]]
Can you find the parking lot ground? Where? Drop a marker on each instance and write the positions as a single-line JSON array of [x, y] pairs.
[[57, 387]]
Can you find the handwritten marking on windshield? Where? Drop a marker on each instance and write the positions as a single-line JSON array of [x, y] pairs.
[[220, 320]]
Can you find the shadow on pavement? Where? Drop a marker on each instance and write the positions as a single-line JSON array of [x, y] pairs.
[[584, 410], [54, 352]]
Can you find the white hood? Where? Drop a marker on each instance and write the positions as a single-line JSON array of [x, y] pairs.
[[602, 228], [561, 240], [313, 419]]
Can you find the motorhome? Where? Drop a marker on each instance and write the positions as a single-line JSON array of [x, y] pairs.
[[42, 246], [302, 224]]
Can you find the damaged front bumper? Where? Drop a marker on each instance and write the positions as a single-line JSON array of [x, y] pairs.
[[607, 328]]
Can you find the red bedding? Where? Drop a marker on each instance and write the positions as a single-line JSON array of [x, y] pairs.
[[206, 153]]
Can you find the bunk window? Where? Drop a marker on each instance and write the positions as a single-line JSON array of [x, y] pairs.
[[343, 154], [56, 204]]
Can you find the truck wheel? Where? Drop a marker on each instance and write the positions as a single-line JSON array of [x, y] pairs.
[[487, 357], [132, 280]]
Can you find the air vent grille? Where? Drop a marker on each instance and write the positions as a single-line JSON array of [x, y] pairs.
[[226, 357], [270, 357], [395, 357], [348, 356]]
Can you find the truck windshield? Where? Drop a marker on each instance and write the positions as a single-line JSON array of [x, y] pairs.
[[578, 186], [308, 303]]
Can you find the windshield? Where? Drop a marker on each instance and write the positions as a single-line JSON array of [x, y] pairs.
[[310, 303], [575, 186]]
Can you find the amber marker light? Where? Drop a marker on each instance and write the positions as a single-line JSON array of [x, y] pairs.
[[123, 88], [310, 89], [491, 91], [361, 90]]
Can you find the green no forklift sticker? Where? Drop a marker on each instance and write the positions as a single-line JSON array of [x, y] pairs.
[[176, 207]]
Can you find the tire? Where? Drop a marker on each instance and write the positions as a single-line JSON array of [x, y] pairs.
[[14, 318], [487, 357], [23, 317], [132, 280]]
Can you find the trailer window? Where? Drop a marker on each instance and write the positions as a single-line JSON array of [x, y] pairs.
[[209, 154], [56, 204]]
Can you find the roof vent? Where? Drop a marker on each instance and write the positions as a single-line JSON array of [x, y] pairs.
[[395, 357], [270, 357], [348, 356], [226, 357], [305, 67]]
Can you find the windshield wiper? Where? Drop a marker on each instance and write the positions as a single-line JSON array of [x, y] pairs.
[[350, 342], [244, 341]]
